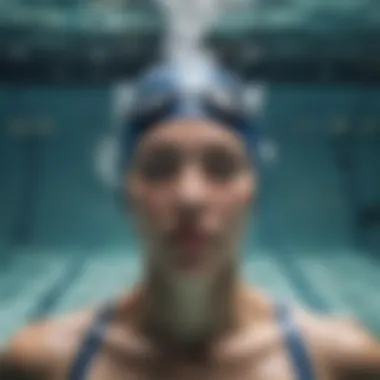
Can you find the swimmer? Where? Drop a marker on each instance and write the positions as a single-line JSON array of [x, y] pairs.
[[189, 179]]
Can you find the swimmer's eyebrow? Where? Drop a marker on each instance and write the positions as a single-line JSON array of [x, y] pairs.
[[221, 149], [209, 146], [157, 149], [171, 152], [157, 152]]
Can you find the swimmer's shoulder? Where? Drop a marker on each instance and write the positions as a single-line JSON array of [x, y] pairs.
[[342, 347], [44, 350]]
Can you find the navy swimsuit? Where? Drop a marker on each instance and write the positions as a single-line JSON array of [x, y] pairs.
[[297, 350]]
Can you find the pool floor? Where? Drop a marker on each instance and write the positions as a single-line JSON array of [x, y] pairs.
[[42, 284]]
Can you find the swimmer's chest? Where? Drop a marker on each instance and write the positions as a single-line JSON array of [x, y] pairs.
[[269, 367]]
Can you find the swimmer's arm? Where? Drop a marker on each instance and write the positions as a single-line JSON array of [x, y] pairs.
[[25, 358], [14, 370], [357, 355]]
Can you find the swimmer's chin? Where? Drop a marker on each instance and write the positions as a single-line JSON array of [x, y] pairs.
[[193, 264]]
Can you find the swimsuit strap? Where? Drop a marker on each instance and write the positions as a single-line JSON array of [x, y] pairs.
[[91, 343], [295, 344]]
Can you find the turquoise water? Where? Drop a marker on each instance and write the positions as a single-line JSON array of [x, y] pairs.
[[44, 284]]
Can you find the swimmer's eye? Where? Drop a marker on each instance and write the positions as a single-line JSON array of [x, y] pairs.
[[160, 165], [220, 164]]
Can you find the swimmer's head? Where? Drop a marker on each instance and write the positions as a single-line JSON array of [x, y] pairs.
[[188, 171]]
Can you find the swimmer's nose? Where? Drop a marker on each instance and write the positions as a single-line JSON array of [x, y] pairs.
[[191, 190]]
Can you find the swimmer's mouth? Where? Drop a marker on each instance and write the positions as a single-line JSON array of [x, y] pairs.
[[191, 250], [190, 239]]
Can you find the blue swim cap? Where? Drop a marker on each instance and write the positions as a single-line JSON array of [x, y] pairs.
[[167, 92]]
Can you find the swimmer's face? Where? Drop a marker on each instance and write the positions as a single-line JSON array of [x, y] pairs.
[[190, 187]]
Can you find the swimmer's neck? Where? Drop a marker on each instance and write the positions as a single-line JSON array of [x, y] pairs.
[[191, 310]]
